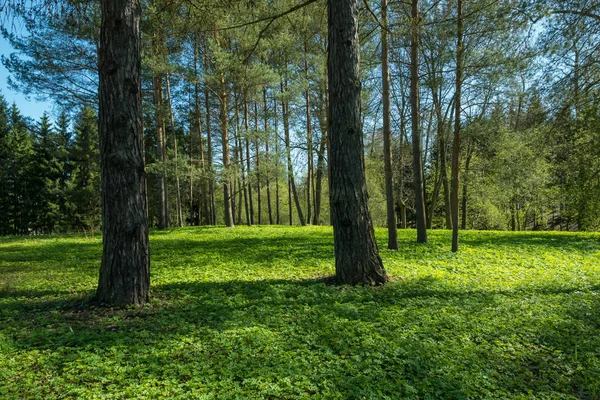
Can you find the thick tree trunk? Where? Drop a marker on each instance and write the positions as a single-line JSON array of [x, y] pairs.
[[387, 133], [227, 194], [456, 147], [357, 258], [125, 271], [416, 135]]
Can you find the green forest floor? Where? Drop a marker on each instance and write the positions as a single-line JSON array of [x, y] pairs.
[[243, 314]]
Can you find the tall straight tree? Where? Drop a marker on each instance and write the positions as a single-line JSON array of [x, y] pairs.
[[387, 132], [456, 147], [357, 258], [125, 271], [416, 126]]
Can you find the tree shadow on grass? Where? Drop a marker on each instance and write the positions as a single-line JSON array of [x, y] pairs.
[[407, 339]]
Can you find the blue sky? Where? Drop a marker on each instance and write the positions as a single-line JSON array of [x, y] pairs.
[[29, 107]]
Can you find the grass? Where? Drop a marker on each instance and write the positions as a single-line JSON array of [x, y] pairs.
[[243, 314]]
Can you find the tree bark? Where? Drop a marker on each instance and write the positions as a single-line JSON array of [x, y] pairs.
[[416, 135], [247, 141], [227, 195], [267, 156], [456, 147], [387, 133], [209, 154], [125, 271], [161, 151], [175, 153], [357, 258], [309, 143], [257, 155]]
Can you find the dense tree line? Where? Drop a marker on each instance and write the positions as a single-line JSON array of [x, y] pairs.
[[49, 173]]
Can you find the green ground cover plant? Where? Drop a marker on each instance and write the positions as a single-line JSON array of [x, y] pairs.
[[244, 313]]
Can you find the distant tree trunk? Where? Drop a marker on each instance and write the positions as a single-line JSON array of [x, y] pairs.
[[291, 182], [444, 168], [456, 148], [240, 148], [322, 115], [416, 135], [161, 149], [227, 195], [357, 258], [247, 141], [125, 270], [267, 156], [309, 143], [175, 153], [463, 224], [387, 133], [209, 156], [277, 209], [203, 184], [257, 149]]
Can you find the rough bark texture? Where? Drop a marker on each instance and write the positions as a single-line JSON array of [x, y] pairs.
[[357, 258], [267, 156], [416, 126], [125, 272], [456, 146], [387, 134]]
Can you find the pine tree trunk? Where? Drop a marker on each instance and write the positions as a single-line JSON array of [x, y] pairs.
[[357, 258], [387, 133], [456, 147], [125, 271], [277, 203], [209, 157], [227, 194], [161, 149], [257, 149], [309, 143], [247, 140], [175, 153], [322, 116], [416, 135], [463, 224], [267, 156]]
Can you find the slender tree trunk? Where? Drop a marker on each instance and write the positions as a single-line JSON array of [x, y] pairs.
[[125, 270], [257, 149], [387, 133], [240, 147], [177, 182], [456, 148], [267, 156], [416, 135], [247, 140], [277, 202], [227, 195], [203, 182], [357, 258], [463, 224], [322, 115], [161, 149], [444, 168], [209, 158], [309, 143], [291, 182]]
